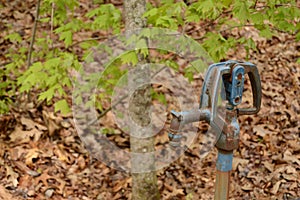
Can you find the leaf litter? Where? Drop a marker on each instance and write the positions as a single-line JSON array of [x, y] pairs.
[[43, 157]]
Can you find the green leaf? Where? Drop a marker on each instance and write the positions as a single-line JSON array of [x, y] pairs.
[[66, 37], [94, 12], [206, 6], [298, 36], [192, 18], [241, 11], [47, 95], [174, 65], [14, 37], [217, 46], [199, 65], [226, 3], [3, 107], [258, 18], [60, 29], [45, 20], [35, 67], [165, 21], [52, 63], [106, 16], [130, 58], [266, 32], [207, 9], [62, 106], [142, 46], [151, 13]]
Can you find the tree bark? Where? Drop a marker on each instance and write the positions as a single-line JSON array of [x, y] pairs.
[[144, 180]]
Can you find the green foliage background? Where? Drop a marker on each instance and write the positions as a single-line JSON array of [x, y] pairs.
[[48, 75]]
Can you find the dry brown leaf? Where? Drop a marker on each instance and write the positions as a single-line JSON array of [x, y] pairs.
[[19, 135], [31, 192], [61, 155], [269, 166], [275, 188], [294, 144], [247, 187], [31, 156], [255, 178], [51, 122], [262, 131], [7, 122], [65, 124], [30, 124], [44, 177], [290, 177], [25, 169], [4, 194], [277, 123], [108, 120], [289, 157], [117, 196], [236, 161], [290, 170], [12, 176], [17, 152], [162, 139], [52, 127], [169, 187]]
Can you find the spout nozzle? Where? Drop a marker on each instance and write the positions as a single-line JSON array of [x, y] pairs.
[[175, 140]]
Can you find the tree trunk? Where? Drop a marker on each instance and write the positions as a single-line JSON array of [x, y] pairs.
[[144, 180]]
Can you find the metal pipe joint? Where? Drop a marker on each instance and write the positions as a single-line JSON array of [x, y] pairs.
[[229, 138], [180, 119]]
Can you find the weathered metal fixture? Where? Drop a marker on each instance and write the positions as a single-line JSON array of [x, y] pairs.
[[223, 80]]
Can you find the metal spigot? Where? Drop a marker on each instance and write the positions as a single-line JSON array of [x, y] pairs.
[[232, 75]]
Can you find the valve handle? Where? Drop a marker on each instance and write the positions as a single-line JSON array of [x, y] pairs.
[[217, 72], [212, 85], [232, 74], [254, 77], [234, 85]]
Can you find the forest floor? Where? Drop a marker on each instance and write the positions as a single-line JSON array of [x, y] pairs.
[[42, 156]]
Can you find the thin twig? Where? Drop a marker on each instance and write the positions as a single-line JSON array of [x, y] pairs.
[[253, 25], [238, 26], [210, 23], [279, 5], [255, 4], [199, 38], [51, 24], [78, 42], [89, 39], [5, 63], [33, 33]]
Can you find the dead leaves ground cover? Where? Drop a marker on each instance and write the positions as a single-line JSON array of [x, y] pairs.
[[42, 156]]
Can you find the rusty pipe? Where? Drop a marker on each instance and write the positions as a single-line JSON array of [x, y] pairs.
[[222, 185], [224, 166]]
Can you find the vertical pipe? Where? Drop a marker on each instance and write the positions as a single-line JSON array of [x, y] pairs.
[[224, 166]]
